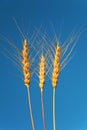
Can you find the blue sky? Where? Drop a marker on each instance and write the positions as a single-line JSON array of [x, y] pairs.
[[71, 95]]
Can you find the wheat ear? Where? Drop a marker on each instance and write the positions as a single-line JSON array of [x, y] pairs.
[[42, 75], [26, 64], [55, 76], [27, 76]]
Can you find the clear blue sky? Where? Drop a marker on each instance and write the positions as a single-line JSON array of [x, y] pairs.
[[71, 98]]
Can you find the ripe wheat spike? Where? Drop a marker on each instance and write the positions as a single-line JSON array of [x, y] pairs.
[[27, 75], [42, 72], [56, 66], [26, 64]]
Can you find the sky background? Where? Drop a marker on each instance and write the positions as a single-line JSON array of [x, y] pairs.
[[71, 95]]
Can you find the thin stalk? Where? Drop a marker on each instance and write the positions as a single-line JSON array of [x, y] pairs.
[[43, 113], [54, 113], [30, 107]]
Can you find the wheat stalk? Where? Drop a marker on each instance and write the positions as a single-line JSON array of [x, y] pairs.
[[42, 75], [55, 76], [27, 76]]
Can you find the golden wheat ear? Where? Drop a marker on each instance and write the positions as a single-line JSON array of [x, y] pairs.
[[56, 66], [26, 64], [27, 76], [42, 72]]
